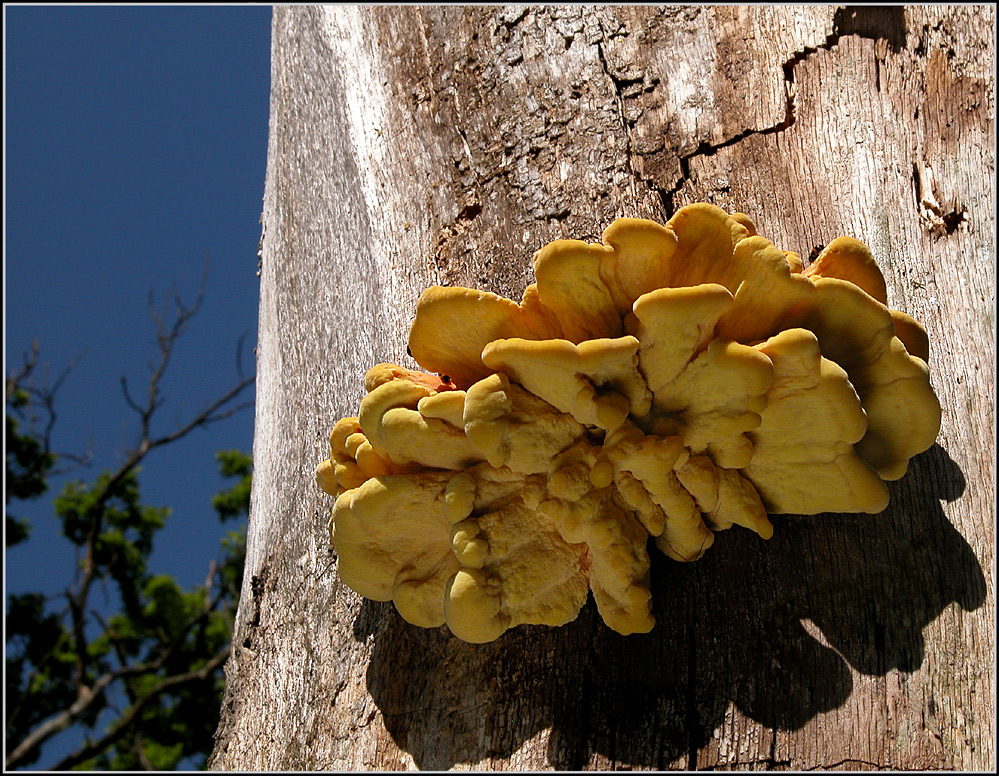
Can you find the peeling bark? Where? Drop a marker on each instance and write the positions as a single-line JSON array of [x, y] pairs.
[[420, 145]]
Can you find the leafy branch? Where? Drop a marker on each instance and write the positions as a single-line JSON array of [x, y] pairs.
[[164, 650]]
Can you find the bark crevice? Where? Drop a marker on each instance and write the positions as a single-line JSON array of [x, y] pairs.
[[706, 149], [860, 21]]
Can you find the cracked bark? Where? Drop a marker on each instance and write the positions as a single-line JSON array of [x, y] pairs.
[[422, 145]]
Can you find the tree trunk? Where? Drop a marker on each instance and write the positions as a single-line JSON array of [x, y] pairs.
[[414, 146]]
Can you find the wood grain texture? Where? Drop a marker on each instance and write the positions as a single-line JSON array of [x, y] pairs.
[[412, 146]]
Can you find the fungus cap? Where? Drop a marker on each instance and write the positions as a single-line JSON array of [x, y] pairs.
[[672, 382]]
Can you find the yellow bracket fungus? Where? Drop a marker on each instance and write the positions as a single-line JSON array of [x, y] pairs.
[[669, 383]]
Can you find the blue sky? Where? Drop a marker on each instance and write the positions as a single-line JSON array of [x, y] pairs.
[[135, 148]]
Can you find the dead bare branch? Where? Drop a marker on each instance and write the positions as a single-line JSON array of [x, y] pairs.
[[132, 404], [48, 397], [42, 400]]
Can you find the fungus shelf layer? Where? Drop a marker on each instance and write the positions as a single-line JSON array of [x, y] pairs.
[[669, 383]]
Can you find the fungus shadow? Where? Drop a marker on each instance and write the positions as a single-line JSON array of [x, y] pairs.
[[770, 626]]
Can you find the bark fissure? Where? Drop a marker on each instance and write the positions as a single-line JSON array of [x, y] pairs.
[[847, 21], [769, 763], [705, 149], [257, 583], [849, 761], [772, 761], [620, 85], [943, 221]]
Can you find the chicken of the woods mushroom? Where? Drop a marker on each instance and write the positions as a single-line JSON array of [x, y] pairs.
[[669, 383]]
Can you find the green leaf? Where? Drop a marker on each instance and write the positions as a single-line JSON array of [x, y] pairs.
[[236, 500], [28, 464], [17, 531]]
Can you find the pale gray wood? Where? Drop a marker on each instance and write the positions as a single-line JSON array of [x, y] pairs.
[[411, 146]]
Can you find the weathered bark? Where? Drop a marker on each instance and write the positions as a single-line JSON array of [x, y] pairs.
[[412, 146]]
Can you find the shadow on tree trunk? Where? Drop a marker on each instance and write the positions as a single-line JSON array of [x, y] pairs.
[[827, 596]]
